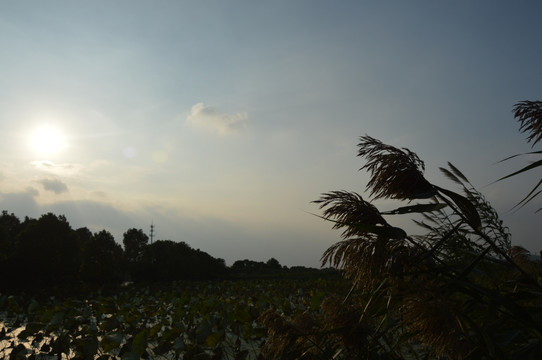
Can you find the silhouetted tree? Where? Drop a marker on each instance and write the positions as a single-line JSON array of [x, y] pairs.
[[247, 266], [161, 260], [102, 259], [45, 250], [250, 267], [48, 251], [207, 267], [134, 241], [273, 264], [9, 227], [169, 260]]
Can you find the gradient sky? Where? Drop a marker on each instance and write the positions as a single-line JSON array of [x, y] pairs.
[[220, 121]]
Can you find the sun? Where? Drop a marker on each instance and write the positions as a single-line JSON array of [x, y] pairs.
[[47, 140]]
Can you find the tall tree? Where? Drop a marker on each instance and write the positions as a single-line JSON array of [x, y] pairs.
[[45, 250], [9, 226], [134, 241], [273, 264], [102, 258]]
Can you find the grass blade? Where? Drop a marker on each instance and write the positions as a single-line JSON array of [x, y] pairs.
[[526, 168]]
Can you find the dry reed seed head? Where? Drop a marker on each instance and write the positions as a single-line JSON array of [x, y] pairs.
[[529, 115], [403, 260], [519, 253], [273, 321], [395, 173], [350, 212], [432, 316], [521, 257], [291, 338], [367, 260], [305, 322], [347, 209], [339, 315], [281, 335]]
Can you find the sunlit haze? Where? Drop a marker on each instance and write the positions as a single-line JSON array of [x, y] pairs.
[[47, 140], [220, 121]]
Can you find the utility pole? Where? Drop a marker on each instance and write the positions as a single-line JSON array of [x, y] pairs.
[[152, 231]]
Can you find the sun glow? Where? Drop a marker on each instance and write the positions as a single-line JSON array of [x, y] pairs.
[[47, 140]]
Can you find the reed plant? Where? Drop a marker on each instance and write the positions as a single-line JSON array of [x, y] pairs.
[[459, 291]]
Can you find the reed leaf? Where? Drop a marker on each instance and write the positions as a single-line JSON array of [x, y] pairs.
[[531, 195], [418, 208], [516, 155], [465, 206], [526, 168], [450, 175], [457, 172]]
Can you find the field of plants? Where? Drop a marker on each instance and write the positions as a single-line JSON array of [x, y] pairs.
[[178, 320]]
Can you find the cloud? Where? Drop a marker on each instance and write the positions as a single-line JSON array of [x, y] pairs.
[[53, 185], [212, 119], [99, 194], [21, 203], [63, 169]]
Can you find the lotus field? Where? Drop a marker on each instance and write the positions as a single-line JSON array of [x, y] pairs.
[[179, 320]]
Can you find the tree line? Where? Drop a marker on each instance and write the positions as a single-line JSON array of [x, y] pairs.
[[47, 252]]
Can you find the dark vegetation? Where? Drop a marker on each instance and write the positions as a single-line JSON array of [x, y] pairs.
[[202, 320], [45, 252], [459, 291]]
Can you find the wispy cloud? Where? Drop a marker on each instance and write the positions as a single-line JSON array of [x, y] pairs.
[[54, 185], [51, 167], [214, 120]]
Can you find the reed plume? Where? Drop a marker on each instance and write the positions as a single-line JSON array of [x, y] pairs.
[[346, 209], [529, 115], [395, 173]]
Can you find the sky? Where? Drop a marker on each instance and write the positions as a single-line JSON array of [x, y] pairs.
[[220, 121]]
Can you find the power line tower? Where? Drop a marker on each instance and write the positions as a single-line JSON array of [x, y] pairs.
[[152, 231]]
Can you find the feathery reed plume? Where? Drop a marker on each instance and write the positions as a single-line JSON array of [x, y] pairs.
[[395, 173], [348, 209], [435, 319], [369, 258], [291, 339], [529, 115], [345, 317]]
